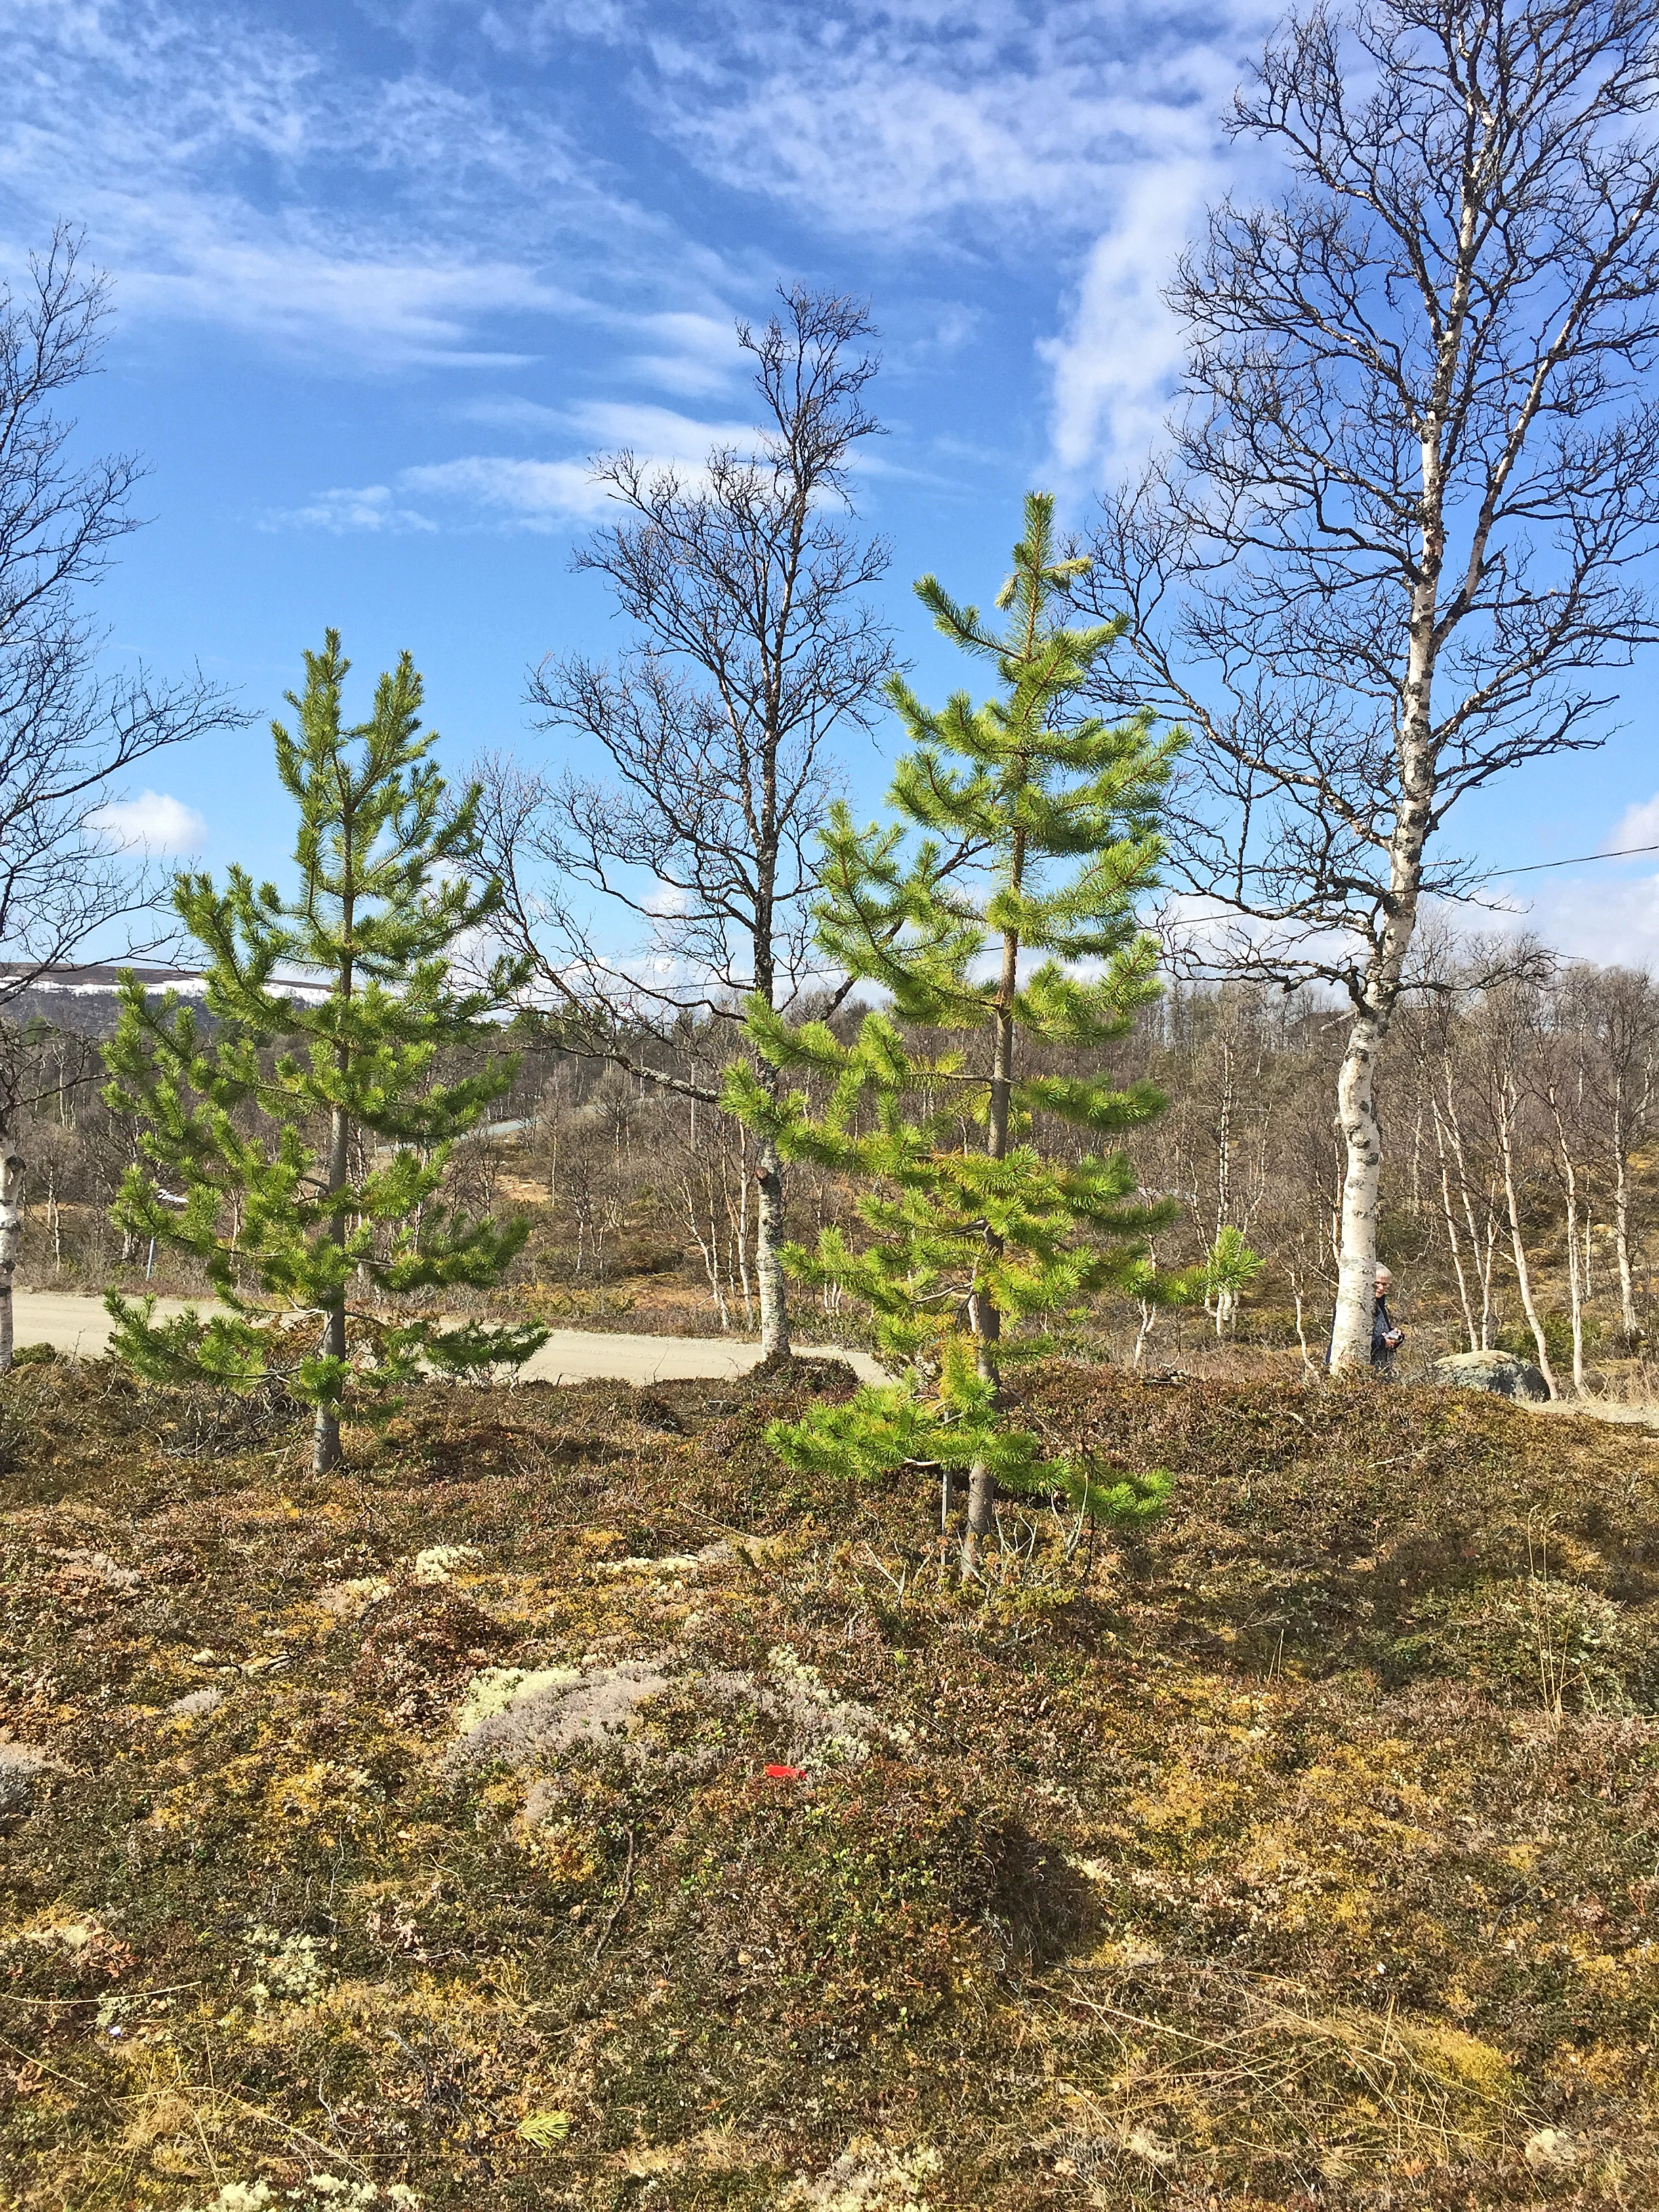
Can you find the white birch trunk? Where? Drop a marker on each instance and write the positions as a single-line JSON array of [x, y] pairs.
[[1351, 1334], [1523, 1272], [1469, 1328], [1488, 1267], [1621, 1228], [1577, 1250], [1148, 1319], [11, 1234], [1356, 1117], [1356, 1089], [768, 1252], [709, 1249], [1308, 1367]]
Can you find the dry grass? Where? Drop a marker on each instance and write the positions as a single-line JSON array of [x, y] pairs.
[[1301, 1856]]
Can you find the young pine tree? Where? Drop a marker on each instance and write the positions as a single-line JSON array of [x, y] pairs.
[[1011, 925], [311, 1135]]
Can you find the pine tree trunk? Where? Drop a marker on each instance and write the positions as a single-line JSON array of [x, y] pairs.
[[325, 1445], [986, 1323], [983, 1317], [11, 1232]]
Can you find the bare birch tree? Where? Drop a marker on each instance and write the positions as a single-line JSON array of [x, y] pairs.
[[1395, 539], [67, 734], [1623, 1011], [753, 648]]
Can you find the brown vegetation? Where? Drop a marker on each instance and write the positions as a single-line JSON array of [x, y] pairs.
[[1299, 1856]]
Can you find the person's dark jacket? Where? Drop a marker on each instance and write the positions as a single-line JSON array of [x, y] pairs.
[[1382, 1328]]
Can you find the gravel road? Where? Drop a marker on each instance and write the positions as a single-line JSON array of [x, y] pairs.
[[570, 1355]]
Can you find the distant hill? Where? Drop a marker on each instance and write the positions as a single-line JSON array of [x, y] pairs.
[[84, 997]]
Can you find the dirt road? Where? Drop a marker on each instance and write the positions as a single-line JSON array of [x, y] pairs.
[[570, 1355]]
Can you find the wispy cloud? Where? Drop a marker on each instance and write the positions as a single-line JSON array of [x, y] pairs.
[[535, 494], [440, 202], [337, 305], [514, 491], [236, 174], [659, 432], [345, 509], [1082, 127], [881, 116], [1116, 359], [431, 194], [690, 353]]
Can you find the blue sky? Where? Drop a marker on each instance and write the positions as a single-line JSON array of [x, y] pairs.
[[387, 271]]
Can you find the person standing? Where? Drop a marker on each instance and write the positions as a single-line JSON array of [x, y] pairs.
[[1385, 1337]]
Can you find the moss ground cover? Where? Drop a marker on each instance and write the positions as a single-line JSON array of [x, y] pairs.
[[407, 1837]]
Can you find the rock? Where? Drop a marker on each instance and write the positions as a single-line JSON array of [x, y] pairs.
[[1500, 1372], [195, 1704], [1550, 2151], [21, 1765]]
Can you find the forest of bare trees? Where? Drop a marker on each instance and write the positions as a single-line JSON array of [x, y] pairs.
[[1520, 1208]]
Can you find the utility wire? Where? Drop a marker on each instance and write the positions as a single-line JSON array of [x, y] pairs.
[[1532, 867]]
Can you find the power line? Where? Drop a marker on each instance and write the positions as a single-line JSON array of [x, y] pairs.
[[1532, 867]]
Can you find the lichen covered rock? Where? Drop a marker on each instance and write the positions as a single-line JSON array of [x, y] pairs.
[[1500, 1372]]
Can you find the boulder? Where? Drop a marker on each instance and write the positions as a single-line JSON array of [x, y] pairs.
[[1498, 1372]]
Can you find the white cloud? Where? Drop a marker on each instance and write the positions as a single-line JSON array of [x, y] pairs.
[[877, 117], [153, 822], [657, 431], [1115, 364], [516, 26], [1608, 917], [359, 308], [235, 175], [968, 124], [1638, 825], [372, 215], [1615, 923], [511, 413], [537, 494], [371, 507], [982, 119], [692, 354], [529, 494]]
